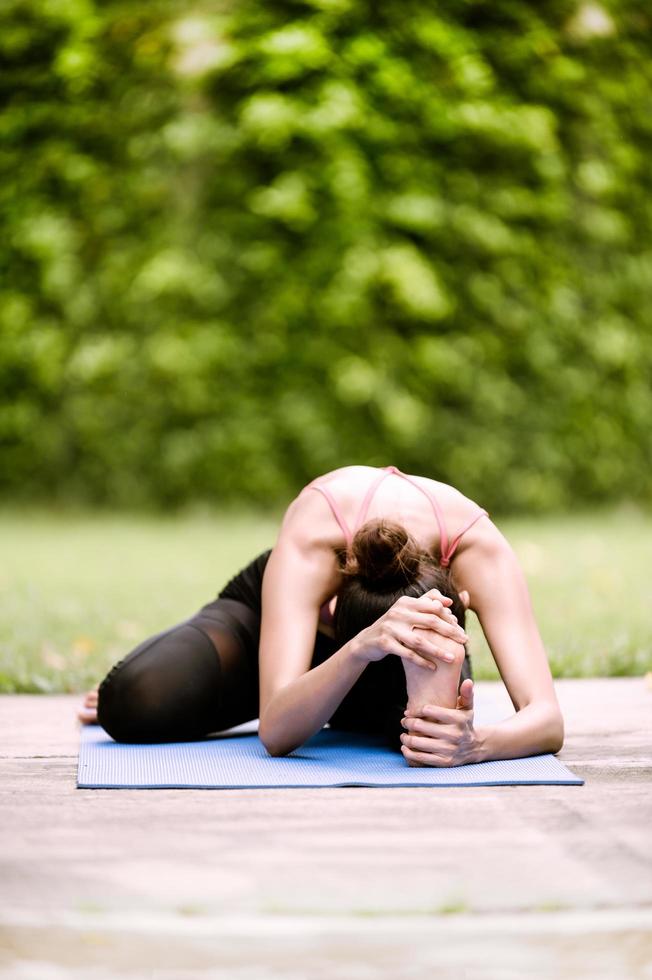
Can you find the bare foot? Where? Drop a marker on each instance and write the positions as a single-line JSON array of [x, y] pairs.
[[87, 714], [429, 687], [439, 686], [425, 686]]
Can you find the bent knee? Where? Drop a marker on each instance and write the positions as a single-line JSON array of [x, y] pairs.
[[167, 691], [123, 712]]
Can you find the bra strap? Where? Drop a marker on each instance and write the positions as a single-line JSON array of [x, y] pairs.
[[337, 514], [439, 517], [446, 558]]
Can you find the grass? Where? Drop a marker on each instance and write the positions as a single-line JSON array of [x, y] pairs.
[[78, 591]]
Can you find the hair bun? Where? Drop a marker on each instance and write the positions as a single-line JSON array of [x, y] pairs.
[[384, 556]]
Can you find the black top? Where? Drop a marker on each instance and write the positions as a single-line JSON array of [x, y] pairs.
[[247, 585]]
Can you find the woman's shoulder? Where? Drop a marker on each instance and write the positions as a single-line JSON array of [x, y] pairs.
[[354, 480], [450, 498], [344, 475], [346, 485], [309, 518]]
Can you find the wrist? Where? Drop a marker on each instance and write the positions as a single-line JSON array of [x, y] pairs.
[[480, 750], [355, 651]]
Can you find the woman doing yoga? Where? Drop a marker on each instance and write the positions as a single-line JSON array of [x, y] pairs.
[[356, 617]]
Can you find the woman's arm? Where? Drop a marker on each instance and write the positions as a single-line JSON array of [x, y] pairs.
[[490, 572], [295, 701], [301, 574], [500, 598]]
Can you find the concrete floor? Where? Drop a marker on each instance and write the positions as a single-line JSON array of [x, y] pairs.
[[350, 883]]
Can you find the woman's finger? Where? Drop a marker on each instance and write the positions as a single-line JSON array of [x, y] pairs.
[[421, 641], [439, 625], [431, 604], [420, 743], [404, 643], [430, 729], [433, 712], [436, 594], [434, 618], [424, 758], [466, 694], [451, 630], [436, 624], [435, 607], [406, 652]]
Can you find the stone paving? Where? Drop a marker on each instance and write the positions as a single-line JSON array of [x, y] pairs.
[[492, 883]]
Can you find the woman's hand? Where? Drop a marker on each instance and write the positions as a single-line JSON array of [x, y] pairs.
[[442, 736], [422, 631]]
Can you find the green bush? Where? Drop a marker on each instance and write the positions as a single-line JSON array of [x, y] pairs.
[[245, 247]]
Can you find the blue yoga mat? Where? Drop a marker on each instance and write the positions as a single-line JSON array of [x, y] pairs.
[[330, 758]]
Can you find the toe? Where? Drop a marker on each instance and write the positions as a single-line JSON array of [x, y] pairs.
[[87, 717]]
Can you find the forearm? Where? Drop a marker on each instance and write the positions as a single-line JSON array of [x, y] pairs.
[[536, 729], [302, 708]]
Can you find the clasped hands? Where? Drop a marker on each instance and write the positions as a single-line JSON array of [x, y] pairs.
[[437, 736], [426, 635]]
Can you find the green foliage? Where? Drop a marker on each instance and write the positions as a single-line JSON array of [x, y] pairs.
[[248, 243]]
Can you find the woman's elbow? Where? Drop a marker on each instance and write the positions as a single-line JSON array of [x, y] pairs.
[[555, 731], [276, 751], [273, 746]]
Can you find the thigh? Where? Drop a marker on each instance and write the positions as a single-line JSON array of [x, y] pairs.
[[234, 631], [198, 677]]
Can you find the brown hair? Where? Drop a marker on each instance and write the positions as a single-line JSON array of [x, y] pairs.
[[383, 564]]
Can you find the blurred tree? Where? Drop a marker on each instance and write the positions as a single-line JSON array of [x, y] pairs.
[[247, 243]]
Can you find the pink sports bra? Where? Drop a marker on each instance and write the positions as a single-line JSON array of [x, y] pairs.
[[447, 548]]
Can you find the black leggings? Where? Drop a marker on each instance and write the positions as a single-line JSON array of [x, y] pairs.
[[201, 676]]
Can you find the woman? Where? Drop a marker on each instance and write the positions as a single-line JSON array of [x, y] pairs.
[[357, 609]]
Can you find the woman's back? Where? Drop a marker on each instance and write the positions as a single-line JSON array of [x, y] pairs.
[[436, 514]]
